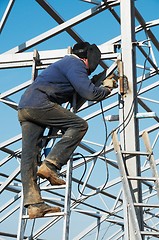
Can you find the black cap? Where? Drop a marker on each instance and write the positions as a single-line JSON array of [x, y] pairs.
[[80, 49], [89, 51]]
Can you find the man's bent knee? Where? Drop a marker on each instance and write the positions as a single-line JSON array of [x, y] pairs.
[[85, 126]]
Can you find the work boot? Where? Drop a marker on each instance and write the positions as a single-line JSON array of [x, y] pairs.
[[50, 174], [40, 209]]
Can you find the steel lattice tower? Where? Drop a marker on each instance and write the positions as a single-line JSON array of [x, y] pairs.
[[117, 198]]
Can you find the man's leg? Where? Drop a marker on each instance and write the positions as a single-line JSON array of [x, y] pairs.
[[30, 137], [74, 128], [63, 149], [60, 154]]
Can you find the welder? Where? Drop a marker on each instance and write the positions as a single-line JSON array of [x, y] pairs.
[[41, 108]]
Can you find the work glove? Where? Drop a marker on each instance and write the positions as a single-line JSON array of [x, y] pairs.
[[110, 83], [97, 78]]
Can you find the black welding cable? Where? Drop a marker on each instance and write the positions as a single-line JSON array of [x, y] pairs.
[[130, 114], [128, 117], [101, 152]]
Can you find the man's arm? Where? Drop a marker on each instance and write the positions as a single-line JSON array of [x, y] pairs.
[[78, 77]]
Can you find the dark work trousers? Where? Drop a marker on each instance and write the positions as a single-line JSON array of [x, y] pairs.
[[34, 121]]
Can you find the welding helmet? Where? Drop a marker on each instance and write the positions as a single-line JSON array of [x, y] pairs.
[[89, 51]]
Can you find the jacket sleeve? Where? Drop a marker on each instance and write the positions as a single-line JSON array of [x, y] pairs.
[[78, 77]]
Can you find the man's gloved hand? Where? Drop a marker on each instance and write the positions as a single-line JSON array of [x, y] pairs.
[[110, 83], [96, 78]]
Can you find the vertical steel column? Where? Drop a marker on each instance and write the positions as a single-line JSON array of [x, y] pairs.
[[129, 128], [67, 211], [22, 222]]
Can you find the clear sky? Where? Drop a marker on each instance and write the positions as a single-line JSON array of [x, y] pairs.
[[27, 20]]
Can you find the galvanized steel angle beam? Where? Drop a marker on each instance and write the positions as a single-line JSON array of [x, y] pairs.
[[147, 109], [67, 204], [126, 188], [146, 26], [9, 179], [10, 103], [154, 66], [9, 213], [94, 225], [58, 29], [11, 141], [10, 202], [149, 87], [6, 14], [51, 11], [151, 160], [15, 89]]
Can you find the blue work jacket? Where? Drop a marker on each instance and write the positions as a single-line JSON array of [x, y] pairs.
[[58, 82]]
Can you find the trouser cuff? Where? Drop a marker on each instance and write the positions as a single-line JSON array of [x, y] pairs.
[[27, 203], [54, 163]]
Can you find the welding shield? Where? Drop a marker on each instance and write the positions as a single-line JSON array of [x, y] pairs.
[[93, 56], [89, 51]]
